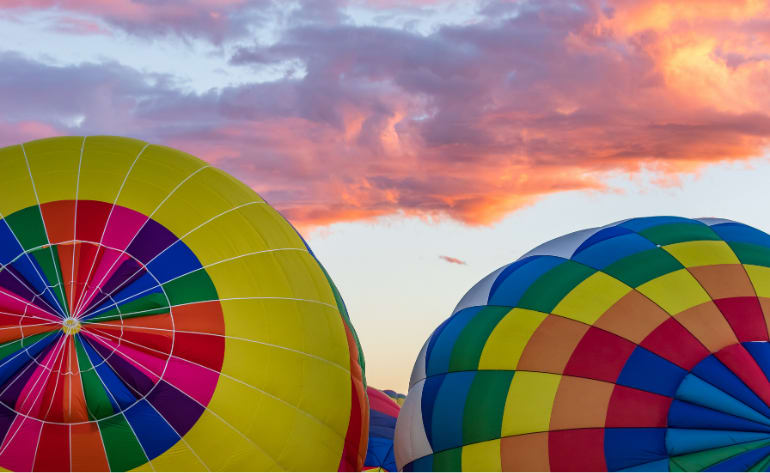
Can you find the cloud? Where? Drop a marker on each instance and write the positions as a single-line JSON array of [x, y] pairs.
[[469, 122], [449, 259]]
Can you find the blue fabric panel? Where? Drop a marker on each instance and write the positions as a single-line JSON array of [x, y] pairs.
[[153, 432], [11, 364], [381, 425], [643, 223], [433, 339], [605, 253], [173, 262], [508, 270], [422, 464], [739, 232], [510, 289], [681, 441], [697, 391], [449, 410], [117, 391], [31, 274], [649, 372], [142, 287], [660, 465], [427, 403], [685, 415], [714, 372], [760, 351], [438, 361], [742, 461], [380, 453], [625, 448], [9, 245], [601, 235]]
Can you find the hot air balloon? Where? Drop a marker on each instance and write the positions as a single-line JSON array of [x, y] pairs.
[[383, 412], [397, 397], [641, 345], [157, 314]]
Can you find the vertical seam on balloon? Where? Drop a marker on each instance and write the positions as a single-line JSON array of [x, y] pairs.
[[96, 306], [58, 375], [37, 446], [148, 218], [26, 352], [45, 228], [106, 388], [75, 228], [178, 239], [209, 409], [109, 216]]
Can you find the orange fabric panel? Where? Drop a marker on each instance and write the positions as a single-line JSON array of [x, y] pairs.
[[633, 317], [551, 345], [527, 452]]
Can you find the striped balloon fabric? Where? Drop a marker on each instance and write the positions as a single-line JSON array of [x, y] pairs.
[[641, 345], [157, 314], [383, 412]]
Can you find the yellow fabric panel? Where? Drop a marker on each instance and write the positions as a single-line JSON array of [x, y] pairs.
[[591, 298], [482, 456], [529, 402], [198, 200], [260, 228], [54, 165], [760, 279], [178, 458], [305, 326], [279, 430], [319, 388], [675, 291], [15, 182], [157, 172], [222, 448], [105, 164], [508, 339], [290, 274], [702, 253], [145, 467]]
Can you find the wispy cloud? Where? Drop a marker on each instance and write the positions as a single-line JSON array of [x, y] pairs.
[[471, 121], [452, 260]]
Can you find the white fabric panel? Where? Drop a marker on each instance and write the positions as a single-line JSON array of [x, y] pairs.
[[479, 294], [714, 221], [410, 441], [419, 370], [564, 246]]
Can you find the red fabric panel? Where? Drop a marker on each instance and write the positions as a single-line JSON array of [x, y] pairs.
[[53, 450], [740, 362], [745, 316], [92, 217], [674, 343], [631, 407], [599, 355], [576, 450]]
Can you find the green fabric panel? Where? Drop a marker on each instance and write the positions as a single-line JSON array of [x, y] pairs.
[[97, 402], [448, 460], [11, 348], [550, 288], [678, 232], [749, 253], [673, 466], [123, 449], [644, 266], [698, 461], [470, 343], [28, 226], [484, 406], [52, 271], [761, 465], [192, 287], [151, 304]]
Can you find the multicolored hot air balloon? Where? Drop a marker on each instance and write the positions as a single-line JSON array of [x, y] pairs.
[[641, 345], [157, 314], [398, 397], [383, 412]]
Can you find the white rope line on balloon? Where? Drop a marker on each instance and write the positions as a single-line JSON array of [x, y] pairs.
[[198, 402], [145, 265], [220, 373], [58, 374], [106, 223], [229, 337], [149, 217], [45, 228], [107, 389], [160, 285], [75, 225]]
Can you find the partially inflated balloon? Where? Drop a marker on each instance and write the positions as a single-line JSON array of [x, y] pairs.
[[155, 313], [398, 397], [383, 412], [639, 345]]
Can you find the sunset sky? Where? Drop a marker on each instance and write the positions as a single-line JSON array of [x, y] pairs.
[[417, 145]]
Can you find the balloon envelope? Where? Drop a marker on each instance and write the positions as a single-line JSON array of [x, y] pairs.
[[383, 412], [155, 313], [639, 345]]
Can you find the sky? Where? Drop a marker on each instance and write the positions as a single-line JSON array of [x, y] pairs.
[[417, 145]]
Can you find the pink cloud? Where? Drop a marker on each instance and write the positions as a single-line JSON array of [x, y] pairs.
[[452, 260]]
